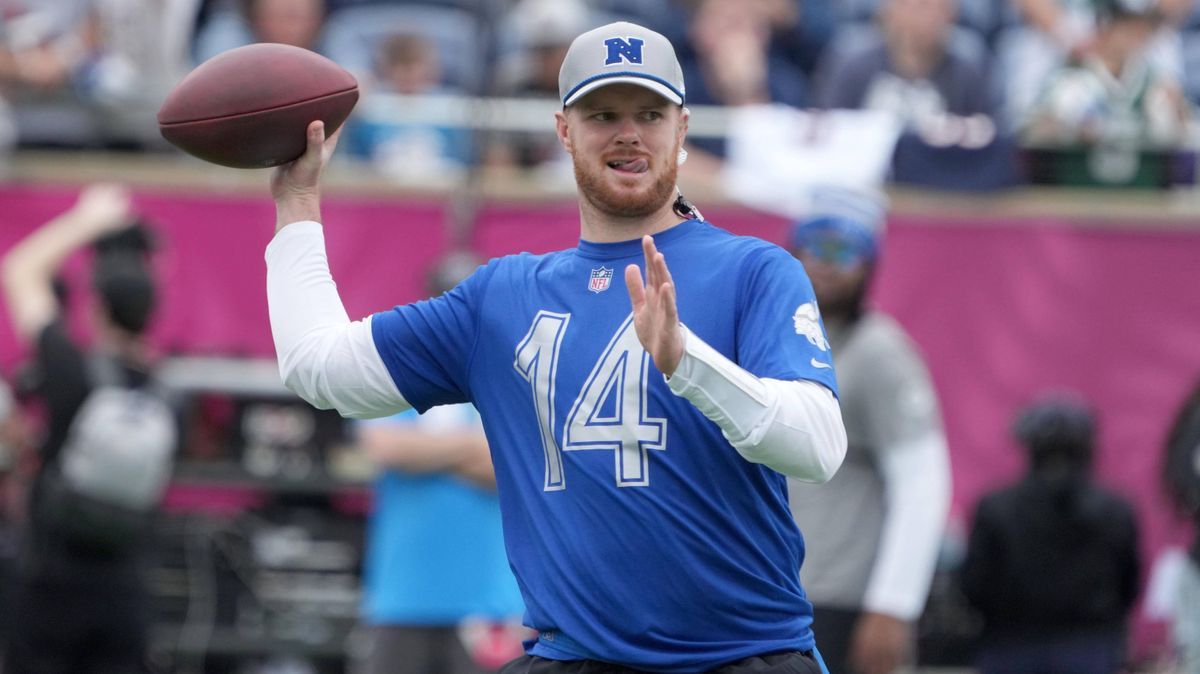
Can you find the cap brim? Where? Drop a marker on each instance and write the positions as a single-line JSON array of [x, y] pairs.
[[658, 87]]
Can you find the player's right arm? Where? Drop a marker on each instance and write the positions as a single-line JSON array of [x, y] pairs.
[[324, 357], [296, 186]]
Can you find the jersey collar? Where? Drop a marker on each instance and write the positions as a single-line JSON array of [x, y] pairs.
[[633, 247]]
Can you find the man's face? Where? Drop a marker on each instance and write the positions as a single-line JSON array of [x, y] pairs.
[[294, 22], [1127, 37], [922, 23], [624, 141]]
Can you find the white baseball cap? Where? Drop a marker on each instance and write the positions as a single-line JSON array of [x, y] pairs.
[[620, 52]]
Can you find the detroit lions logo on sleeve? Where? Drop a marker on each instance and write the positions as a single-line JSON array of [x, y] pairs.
[[807, 320]]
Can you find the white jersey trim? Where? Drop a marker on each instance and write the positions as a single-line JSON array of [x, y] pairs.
[[794, 427], [324, 357]]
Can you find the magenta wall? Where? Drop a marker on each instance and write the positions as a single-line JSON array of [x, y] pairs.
[[1001, 309]]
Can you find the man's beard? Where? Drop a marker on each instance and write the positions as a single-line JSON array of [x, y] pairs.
[[594, 188], [848, 305]]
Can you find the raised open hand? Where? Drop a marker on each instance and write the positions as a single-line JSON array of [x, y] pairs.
[[655, 315]]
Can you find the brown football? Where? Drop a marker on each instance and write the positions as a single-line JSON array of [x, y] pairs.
[[250, 107]]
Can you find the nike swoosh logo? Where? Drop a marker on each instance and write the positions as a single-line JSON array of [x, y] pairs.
[[818, 364]]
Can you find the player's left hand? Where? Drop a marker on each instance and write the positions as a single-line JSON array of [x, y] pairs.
[[655, 316], [880, 644]]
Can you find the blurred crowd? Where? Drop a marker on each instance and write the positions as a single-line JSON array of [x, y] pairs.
[[987, 93]]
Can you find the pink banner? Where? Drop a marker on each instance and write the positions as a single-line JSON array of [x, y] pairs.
[[1004, 310], [1001, 309]]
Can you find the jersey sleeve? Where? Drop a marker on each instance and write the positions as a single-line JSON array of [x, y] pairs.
[[427, 346], [780, 333], [902, 402]]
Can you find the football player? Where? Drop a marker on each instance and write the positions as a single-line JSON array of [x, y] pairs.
[[643, 418]]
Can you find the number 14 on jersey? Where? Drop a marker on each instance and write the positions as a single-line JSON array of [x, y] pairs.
[[609, 412]]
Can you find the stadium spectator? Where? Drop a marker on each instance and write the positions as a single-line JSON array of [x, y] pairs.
[[727, 59], [30, 51], [544, 30], [81, 590], [874, 530], [1056, 32], [1110, 111], [933, 76], [1181, 477], [141, 50], [295, 22], [438, 595], [799, 29], [407, 151], [93, 72], [1052, 560]]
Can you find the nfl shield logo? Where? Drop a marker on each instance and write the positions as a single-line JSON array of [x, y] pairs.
[[600, 279]]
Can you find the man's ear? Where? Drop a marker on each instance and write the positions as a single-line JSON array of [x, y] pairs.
[[560, 127], [684, 116]]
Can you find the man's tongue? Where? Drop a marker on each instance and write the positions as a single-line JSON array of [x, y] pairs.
[[631, 166]]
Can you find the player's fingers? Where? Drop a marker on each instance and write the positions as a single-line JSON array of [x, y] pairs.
[[633, 282], [310, 161], [668, 301], [330, 144], [316, 137], [649, 251], [660, 277], [666, 271], [661, 273]]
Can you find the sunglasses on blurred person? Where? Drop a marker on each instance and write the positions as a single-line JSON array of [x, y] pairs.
[[835, 240]]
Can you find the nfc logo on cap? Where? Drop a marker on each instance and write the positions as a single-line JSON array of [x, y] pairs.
[[624, 50]]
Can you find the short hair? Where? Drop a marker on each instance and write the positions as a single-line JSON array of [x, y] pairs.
[[405, 49], [122, 278], [1058, 430]]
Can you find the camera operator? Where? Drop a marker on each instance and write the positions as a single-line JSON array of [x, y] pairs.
[[106, 448]]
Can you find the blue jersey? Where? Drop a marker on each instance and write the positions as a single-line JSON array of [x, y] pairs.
[[435, 555], [637, 533]]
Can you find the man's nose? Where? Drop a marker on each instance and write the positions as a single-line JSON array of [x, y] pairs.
[[627, 133]]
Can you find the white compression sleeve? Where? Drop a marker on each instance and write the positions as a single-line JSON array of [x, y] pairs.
[[794, 427], [324, 357], [917, 479]]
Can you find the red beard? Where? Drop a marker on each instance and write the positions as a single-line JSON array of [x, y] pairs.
[[595, 188]]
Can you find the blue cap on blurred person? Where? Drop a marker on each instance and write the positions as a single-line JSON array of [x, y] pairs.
[[844, 226], [836, 239]]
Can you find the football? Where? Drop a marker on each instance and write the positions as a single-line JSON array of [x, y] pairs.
[[250, 107]]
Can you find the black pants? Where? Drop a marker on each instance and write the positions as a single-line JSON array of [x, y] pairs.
[[76, 628], [834, 627], [794, 662], [395, 649]]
